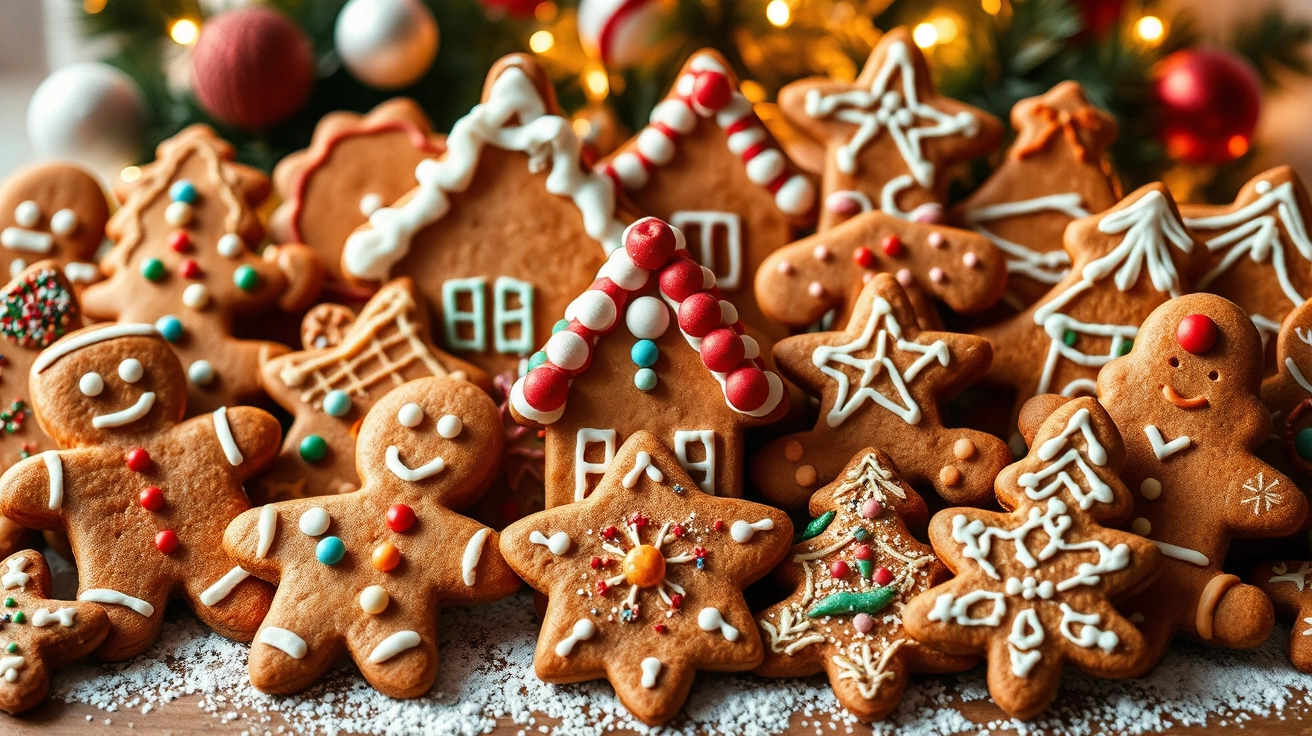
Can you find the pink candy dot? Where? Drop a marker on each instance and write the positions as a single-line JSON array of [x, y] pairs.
[[936, 275], [821, 253], [784, 268], [936, 240], [871, 509], [863, 622], [904, 277], [816, 289]]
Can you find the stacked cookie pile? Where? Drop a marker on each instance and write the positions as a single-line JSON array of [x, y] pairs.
[[1096, 390]]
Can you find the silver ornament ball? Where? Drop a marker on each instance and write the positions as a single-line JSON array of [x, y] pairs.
[[386, 44], [89, 112]]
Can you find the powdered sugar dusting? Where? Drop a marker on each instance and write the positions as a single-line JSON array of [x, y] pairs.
[[486, 674]]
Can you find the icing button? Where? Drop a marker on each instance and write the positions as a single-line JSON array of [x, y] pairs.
[[246, 278], [1141, 526], [821, 253], [937, 275], [645, 379], [166, 541], [374, 600], [816, 289], [200, 373], [386, 557], [169, 328], [152, 269], [963, 449], [864, 623], [400, 518], [904, 277], [805, 476], [314, 521], [138, 460], [1151, 488], [792, 451], [336, 403], [949, 476], [151, 499], [313, 448], [784, 268], [970, 260]]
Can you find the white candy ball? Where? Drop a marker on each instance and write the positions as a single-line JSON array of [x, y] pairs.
[[387, 44]]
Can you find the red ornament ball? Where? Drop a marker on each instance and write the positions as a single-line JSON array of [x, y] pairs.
[[252, 68], [1197, 333], [545, 388], [699, 314], [711, 90], [1100, 16], [151, 499], [1210, 102], [722, 350], [138, 460], [747, 388], [682, 279], [650, 243], [166, 541], [400, 518]]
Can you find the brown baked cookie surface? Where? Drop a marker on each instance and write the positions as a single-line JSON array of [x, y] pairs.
[[53, 212], [1285, 583]]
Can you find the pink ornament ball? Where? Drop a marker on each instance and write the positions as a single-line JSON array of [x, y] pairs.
[[252, 68]]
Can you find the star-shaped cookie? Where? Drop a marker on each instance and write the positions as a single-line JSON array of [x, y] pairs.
[[644, 579], [879, 382]]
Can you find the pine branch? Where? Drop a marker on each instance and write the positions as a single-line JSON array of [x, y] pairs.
[[1275, 43]]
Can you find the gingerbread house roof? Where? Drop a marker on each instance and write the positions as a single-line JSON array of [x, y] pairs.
[[518, 113], [710, 325], [707, 89]]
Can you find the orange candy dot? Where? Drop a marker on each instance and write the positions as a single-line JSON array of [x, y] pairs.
[[386, 557], [644, 566]]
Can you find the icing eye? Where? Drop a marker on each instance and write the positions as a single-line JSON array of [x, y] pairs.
[[370, 203], [449, 426], [410, 415], [27, 213], [91, 384], [130, 370], [63, 222]]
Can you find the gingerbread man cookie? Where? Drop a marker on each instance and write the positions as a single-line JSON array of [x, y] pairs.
[[644, 579], [355, 164], [52, 212], [143, 496], [707, 165], [888, 134], [1124, 263], [852, 572], [38, 634], [365, 572], [880, 381], [1055, 172], [1034, 587], [183, 260], [1186, 402], [1287, 585], [329, 389], [1287, 393]]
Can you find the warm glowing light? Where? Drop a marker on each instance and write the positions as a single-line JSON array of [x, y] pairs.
[[925, 35], [91, 7], [582, 127], [184, 32], [545, 13], [130, 174], [992, 7], [596, 82], [1236, 146], [541, 42], [753, 91], [778, 13], [947, 29], [1150, 29]]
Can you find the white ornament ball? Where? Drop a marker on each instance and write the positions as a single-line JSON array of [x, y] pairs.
[[387, 44], [90, 113], [623, 33]]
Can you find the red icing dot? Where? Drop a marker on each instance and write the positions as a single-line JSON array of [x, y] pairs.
[[681, 279], [596, 563], [839, 569], [718, 525], [747, 388], [891, 245], [650, 243], [676, 600], [180, 241], [883, 576], [699, 314], [608, 532], [722, 350], [864, 257], [189, 269], [1197, 333], [711, 90], [545, 388], [863, 552], [151, 499], [400, 518], [166, 541], [138, 459], [660, 628]]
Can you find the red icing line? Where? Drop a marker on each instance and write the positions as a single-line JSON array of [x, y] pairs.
[[753, 151], [743, 123], [665, 130], [778, 182]]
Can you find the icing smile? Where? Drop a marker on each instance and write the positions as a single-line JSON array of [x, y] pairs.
[[399, 469], [1192, 402], [131, 414], [28, 240]]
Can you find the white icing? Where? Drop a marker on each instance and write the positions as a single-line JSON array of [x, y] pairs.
[[125, 416], [642, 464], [15, 578], [1024, 641], [29, 241], [1059, 471], [1192, 556], [557, 544], [266, 527], [948, 607], [196, 296], [65, 617], [742, 531], [473, 552], [85, 339], [710, 619], [27, 213], [449, 426], [314, 521], [1161, 448], [706, 438], [91, 384], [115, 598], [286, 641], [370, 203], [583, 468], [1090, 635], [226, 441], [1046, 268], [63, 222], [10, 664], [224, 586], [522, 406], [412, 475], [409, 415], [131, 370], [394, 645], [651, 667], [582, 631], [81, 273], [707, 223], [55, 469]]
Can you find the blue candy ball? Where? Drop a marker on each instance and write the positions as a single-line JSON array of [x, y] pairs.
[[169, 328], [645, 379], [645, 353], [560, 325], [330, 550], [183, 191], [336, 403], [1303, 443]]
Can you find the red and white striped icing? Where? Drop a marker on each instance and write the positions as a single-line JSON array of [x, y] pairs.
[[705, 91]]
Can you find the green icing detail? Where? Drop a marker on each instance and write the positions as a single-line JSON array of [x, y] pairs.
[[817, 526], [860, 534], [867, 568], [846, 603]]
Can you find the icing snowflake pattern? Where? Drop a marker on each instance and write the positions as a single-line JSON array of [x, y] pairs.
[[1261, 494]]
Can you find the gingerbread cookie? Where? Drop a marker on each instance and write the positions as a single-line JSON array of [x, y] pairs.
[[520, 489], [1124, 263], [182, 260], [329, 389], [52, 212], [1287, 585], [888, 134], [652, 345], [502, 231], [644, 579], [880, 381], [1259, 246], [1054, 172], [355, 164], [1034, 587], [143, 496], [38, 634], [1186, 402], [852, 572], [365, 572], [1287, 393], [708, 166]]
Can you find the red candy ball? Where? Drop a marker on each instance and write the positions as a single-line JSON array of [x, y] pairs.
[[400, 518], [681, 279], [711, 90], [650, 243], [747, 388], [891, 245], [864, 257], [166, 541], [189, 269], [838, 569], [863, 552], [151, 499], [545, 388], [699, 314], [722, 350], [180, 241], [1197, 333], [883, 576], [138, 460]]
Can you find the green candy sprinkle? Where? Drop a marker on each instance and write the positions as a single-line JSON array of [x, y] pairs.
[[537, 359], [153, 269], [20, 617], [12, 647], [817, 526], [1069, 338], [246, 278], [313, 448], [10, 603], [1126, 347], [561, 325], [848, 603], [860, 534]]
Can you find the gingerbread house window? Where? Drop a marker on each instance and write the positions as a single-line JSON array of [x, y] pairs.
[[696, 452], [711, 234], [594, 450]]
